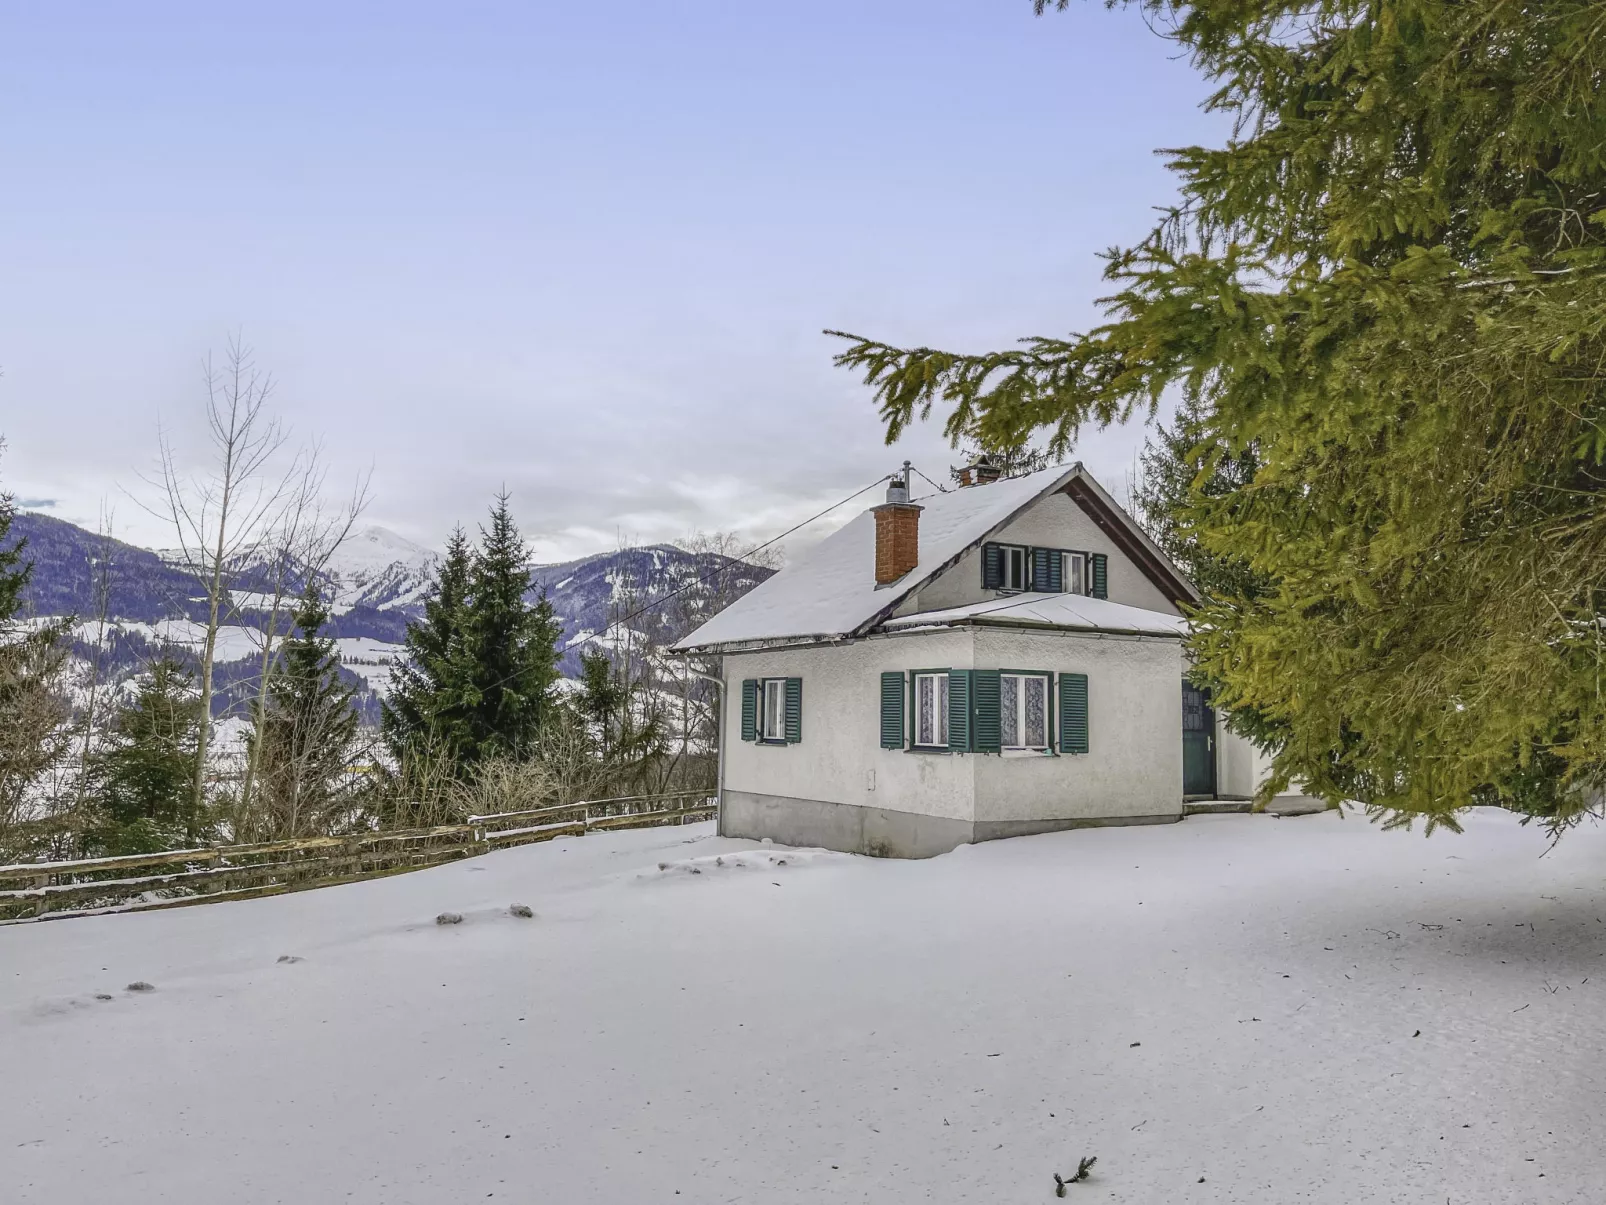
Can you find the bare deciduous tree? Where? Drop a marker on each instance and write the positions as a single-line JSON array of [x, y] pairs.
[[726, 573], [224, 515], [101, 564]]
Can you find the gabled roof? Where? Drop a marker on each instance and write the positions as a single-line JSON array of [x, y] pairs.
[[829, 593], [1075, 611]]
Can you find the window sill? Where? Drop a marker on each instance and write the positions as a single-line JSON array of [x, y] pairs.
[[928, 749], [1027, 753]]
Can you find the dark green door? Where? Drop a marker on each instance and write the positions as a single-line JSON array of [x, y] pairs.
[[1198, 742]]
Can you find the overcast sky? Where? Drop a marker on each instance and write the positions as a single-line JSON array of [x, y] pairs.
[[582, 249]]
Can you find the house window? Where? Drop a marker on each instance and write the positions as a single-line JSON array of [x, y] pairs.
[[1023, 711], [1017, 568], [931, 711], [772, 711], [1075, 572]]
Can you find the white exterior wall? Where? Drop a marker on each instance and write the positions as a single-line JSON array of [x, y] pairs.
[[1133, 766], [841, 745], [1052, 522], [1240, 767]]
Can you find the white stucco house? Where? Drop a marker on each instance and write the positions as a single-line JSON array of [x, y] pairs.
[[999, 659]]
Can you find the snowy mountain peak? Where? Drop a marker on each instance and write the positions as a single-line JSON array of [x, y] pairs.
[[374, 547], [376, 567]]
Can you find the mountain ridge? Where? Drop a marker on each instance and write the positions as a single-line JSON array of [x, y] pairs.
[[378, 581]]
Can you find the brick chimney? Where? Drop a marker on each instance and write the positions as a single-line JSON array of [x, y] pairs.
[[981, 471], [897, 532]]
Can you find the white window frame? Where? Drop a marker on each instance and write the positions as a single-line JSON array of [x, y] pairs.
[[940, 696], [1075, 573], [1016, 556], [772, 715], [1020, 679]]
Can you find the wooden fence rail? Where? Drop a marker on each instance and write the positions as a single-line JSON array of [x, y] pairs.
[[50, 890]]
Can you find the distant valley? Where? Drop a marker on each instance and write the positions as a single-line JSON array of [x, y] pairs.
[[377, 581]]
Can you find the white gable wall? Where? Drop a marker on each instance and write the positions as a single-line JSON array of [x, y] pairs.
[[1052, 522]]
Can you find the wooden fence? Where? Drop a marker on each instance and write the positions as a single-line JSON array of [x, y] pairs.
[[52, 890]]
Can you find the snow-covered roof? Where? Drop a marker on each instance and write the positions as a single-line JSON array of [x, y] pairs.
[[1050, 610], [830, 592]]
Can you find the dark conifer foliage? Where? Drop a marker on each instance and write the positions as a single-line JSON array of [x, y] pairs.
[[142, 777], [513, 645], [481, 665], [306, 732], [431, 693]]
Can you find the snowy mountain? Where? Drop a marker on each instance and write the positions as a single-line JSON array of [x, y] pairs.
[[378, 580], [380, 569]]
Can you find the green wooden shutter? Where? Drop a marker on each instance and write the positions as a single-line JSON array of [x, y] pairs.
[[892, 702], [984, 718], [749, 709], [959, 711], [1073, 713], [1056, 571], [794, 710], [1100, 575], [1040, 560], [992, 567]]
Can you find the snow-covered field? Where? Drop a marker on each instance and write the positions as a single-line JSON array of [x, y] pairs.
[[1233, 1009], [371, 660]]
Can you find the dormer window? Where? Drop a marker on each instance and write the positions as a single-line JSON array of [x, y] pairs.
[[1075, 572], [1017, 568]]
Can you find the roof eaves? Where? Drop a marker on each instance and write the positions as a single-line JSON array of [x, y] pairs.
[[1013, 621], [759, 645], [1149, 557]]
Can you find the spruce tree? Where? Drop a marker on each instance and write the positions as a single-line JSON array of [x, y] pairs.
[[1390, 286], [600, 694], [513, 645], [306, 731], [431, 691], [14, 570], [142, 779], [1176, 463], [33, 707]]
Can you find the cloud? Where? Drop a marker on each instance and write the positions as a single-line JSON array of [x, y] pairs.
[[36, 503]]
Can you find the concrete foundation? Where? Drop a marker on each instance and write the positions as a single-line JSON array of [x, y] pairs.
[[879, 832]]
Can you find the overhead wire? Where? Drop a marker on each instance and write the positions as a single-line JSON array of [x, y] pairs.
[[726, 568], [941, 489]]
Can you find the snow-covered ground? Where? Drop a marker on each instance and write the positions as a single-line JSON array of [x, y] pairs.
[[1233, 1009], [234, 642], [371, 660]]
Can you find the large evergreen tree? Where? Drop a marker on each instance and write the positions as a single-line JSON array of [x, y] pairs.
[[305, 732], [142, 777], [1391, 285], [431, 692], [513, 645]]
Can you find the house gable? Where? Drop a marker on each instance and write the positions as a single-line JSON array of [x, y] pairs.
[[1070, 520], [831, 592]]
